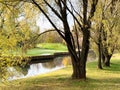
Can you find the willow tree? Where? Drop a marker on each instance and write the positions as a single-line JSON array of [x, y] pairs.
[[8, 39], [61, 8], [106, 31], [15, 32], [111, 31]]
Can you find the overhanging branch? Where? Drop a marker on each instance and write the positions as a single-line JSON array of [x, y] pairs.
[[40, 8]]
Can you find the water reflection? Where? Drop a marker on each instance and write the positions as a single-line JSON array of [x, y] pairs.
[[35, 69]]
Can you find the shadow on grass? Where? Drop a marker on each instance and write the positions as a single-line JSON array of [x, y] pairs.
[[114, 67], [61, 82]]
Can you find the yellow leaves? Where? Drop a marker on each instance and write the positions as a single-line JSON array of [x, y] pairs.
[[66, 61], [13, 43], [15, 34]]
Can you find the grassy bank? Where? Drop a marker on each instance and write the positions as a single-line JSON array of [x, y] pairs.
[[47, 48], [107, 79]]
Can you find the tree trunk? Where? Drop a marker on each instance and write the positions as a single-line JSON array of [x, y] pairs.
[[107, 61], [99, 59], [79, 64], [103, 58], [79, 71], [78, 67]]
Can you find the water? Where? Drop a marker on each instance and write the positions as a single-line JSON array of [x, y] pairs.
[[35, 69]]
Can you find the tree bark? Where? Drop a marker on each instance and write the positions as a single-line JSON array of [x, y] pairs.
[[99, 44], [84, 52], [99, 59], [103, 58], [79, 64], [107, 60], [79, 71]]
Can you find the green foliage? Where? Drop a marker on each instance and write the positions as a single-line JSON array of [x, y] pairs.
[[105, 25], [52, 37]]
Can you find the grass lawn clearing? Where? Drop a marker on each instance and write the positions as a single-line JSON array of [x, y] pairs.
[[52, 46], [46, 49]]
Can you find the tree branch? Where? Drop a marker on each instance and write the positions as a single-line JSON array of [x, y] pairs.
[[73, 16], [39, 7], [93, 8], [55, 11]]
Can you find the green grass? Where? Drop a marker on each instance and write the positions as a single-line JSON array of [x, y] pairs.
[[38, 51], [46, 48], [107, 79], [52, 46]]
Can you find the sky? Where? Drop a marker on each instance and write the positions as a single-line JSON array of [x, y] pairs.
[[44, 24]]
